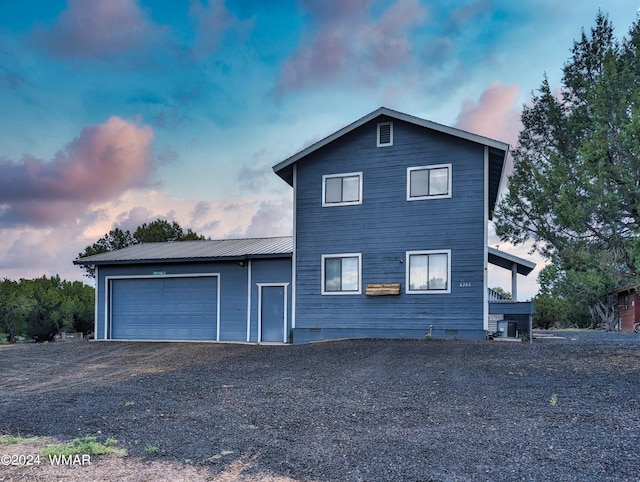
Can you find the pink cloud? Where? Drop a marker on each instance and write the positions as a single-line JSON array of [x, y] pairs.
[[133, 218], [347, 39], [212, 21], [271, 219], [104, 161], [334, 9], [99, 29], [495, 115], [31, 251], [460, 17], [387, 41], [321, 59]]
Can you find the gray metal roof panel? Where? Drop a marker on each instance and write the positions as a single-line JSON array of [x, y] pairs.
[[195, 251]]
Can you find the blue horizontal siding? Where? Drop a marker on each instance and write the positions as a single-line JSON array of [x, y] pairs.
[[233, 280], [385, 226], [307, 335]]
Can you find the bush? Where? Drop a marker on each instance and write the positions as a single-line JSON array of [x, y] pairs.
[[550, 311], [15, 303], [42, 307]]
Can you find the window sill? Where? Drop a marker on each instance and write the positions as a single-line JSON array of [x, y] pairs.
[[340, 293], [332, 205], [429, 292], [425, 198]]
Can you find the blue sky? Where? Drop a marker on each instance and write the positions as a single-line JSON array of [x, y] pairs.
[[117, 112]]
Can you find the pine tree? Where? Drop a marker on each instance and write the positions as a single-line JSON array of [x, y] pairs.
[[575, 189]]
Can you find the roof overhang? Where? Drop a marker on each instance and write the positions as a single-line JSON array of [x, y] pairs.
[[84, 262], [194, 252], [506, 261], [497, 150], [626, 289]]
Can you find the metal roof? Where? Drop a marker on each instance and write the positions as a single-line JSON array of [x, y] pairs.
[[497, 150], [186, 251], [506, 261]]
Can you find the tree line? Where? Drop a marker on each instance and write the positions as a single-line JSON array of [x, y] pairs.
[[41, 308], [157, 231], [575, 189]]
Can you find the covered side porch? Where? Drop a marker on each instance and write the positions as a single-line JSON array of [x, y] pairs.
[[509, 319]]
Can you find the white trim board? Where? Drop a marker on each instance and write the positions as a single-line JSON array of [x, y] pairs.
[[249, 300], [322, 274]]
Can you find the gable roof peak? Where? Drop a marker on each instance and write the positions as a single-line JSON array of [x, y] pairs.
[[283, 169], [497, 150]]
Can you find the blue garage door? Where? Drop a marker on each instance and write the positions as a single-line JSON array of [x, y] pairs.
[[164, 308]]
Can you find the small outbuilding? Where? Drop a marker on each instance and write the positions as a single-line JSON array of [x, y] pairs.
[[228, 290], [628, 309]]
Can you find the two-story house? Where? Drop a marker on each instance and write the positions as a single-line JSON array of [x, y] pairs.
[[389, 241]]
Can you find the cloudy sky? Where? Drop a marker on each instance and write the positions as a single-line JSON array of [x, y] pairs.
[[119, 112]]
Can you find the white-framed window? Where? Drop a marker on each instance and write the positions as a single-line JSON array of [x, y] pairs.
[[384, 134], [429, 182], [342, 189], [428, 271], [341, 274]]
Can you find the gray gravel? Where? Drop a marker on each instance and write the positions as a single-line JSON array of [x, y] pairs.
[[566, 409]]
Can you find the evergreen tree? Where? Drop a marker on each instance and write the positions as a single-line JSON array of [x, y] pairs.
[[157, 231], [575, 188], [15, 304]]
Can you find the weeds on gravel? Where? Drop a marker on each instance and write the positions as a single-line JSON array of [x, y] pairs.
[[554, 400], [219, 455], [129, 403], [83, 445], [152, 450], [11, 440]]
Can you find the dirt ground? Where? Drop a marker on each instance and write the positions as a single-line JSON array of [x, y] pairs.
[[564, 409]]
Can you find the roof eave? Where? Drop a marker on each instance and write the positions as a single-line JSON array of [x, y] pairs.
[[83, 262], [524, 266], [494, 198], [281, 168]]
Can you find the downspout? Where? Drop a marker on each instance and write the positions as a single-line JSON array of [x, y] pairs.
[[248, 300], [293, 256], [485, 261], [95, 307]]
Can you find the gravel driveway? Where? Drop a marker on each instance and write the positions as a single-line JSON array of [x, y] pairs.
[[380, 410]]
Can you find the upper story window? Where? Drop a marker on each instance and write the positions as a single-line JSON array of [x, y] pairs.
[[342, 189], [385, 134], [429, 182], [341, 274], [428, 271]]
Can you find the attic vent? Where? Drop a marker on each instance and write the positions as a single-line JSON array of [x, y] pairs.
[[385, 134]]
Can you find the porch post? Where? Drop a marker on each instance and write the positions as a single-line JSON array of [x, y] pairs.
[[514, 282]]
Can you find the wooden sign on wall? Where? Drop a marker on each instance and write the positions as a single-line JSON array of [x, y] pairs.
[[382, 289]]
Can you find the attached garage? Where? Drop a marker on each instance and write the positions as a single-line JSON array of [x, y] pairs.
[[226, 290], [170, 308]]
